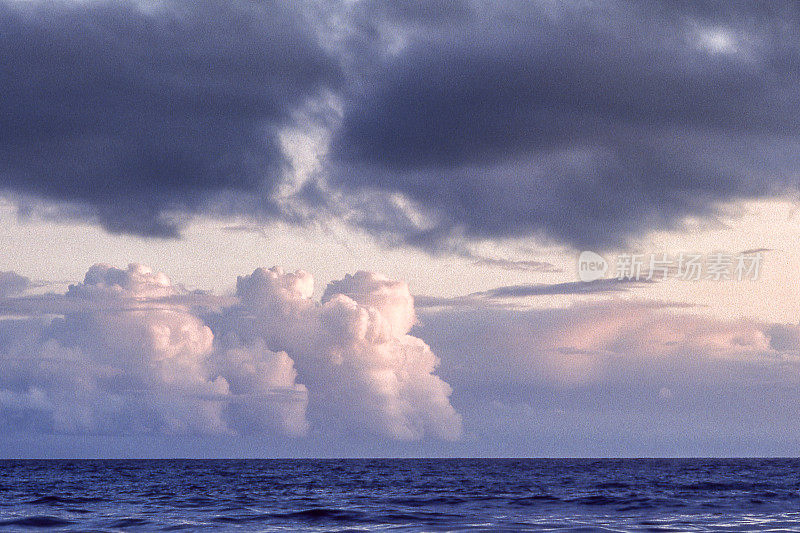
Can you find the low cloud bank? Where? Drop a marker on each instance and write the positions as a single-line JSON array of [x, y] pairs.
[[131, 351]]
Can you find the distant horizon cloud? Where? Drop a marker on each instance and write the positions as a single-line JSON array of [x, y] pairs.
[[589, 379], [131, 352], [12, 283], [122, 352]]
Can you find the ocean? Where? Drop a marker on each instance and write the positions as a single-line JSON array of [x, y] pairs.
[[401, 495]]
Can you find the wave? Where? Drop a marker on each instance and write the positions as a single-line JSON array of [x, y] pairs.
[[66, 500], [36, 522]]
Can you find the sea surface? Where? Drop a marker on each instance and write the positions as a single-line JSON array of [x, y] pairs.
[[402, 495]]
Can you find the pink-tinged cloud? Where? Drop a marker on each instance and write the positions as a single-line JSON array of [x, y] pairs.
[[132, 352], [353, 350], [591, 343]]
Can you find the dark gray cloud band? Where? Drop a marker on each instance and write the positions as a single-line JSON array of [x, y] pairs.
[[130, 111], [501, 296], [586, 124]]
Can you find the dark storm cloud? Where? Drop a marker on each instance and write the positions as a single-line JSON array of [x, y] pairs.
[[586, 123], [424, 12], [128, 111]]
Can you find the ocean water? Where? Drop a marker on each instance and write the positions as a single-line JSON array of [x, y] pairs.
[[402, 495]]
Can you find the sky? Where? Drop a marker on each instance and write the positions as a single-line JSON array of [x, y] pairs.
[[363, 228]]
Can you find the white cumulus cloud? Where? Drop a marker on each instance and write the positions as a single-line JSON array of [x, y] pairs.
[[353, 350], [128, 350]]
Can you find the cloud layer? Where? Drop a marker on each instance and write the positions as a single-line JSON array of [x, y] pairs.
[[125, 355], [585, 123], [129, 354], [619, 378], [133, 114]]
